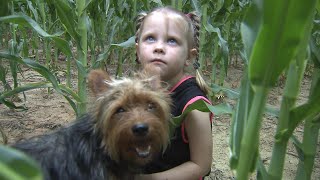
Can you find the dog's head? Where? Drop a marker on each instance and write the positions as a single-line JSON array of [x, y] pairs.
[[132, 115]]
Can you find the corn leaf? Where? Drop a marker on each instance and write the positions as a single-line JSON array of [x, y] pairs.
[[196, 6], [4, 9], [11, 105], [35, 66], [234, 94], [23, 88], [204, 107], [283, 28], [250, 26], [68, 19], [222, 43], [24, 20], [128, 43], [16, 165], [309, 109], [239, 118], [201, 106], [315, 50], [261, 170]]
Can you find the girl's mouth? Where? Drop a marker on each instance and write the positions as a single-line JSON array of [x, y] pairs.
[[157, 61]]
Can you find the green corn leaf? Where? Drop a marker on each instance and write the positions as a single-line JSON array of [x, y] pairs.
[[222, 42], [157, 2], [251, 26], [88, 2], [309, 109], [262, 173], [67, 17], [302, 112], [65, 92], [128, 43], [239, 118], [15, 165], [68, 91], [234, 94], [81, 68], [4, 8], [20, 89], [204, 107], [24, 20], [33, 10], [201, 106], [298, 145], [3, 73], [280, 37], [23, 88], [315, 50], [101, 57], [35, 66], [230, 93], [73, 105], [195, 4], [11, 105]]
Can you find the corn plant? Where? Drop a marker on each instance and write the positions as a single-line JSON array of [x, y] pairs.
[[275, 35], [16, 165]]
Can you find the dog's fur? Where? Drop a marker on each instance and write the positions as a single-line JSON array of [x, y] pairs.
[[126, 128]]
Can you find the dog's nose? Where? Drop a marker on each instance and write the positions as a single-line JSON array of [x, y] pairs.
[[140, 129]]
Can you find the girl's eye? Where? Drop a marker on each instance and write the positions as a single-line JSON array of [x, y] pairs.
[[172, 41], [150, 39]]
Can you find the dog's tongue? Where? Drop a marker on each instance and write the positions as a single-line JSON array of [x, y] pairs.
[[143, 151]]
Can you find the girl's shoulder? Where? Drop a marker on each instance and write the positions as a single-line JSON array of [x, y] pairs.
[[186, 93]]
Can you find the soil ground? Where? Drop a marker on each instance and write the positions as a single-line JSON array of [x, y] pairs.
[[49, 111]]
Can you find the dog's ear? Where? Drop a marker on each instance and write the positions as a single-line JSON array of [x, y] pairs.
[[97, 81]]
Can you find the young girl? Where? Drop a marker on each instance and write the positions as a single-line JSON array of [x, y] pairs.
[[168, 40]]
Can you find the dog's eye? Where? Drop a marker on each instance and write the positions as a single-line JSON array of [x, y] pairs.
[[151, 106], [120, 110]]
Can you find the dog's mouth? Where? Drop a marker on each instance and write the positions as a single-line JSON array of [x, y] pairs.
[[143, 151]]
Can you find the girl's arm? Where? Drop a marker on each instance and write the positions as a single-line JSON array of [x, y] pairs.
[[198, 129]]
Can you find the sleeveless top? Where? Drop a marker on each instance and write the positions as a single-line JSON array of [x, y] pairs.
[[183, 94]]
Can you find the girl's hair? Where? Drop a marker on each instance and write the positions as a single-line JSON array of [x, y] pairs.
[[193, 21]]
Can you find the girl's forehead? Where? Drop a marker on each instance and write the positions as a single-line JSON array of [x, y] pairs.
[[166, 19]]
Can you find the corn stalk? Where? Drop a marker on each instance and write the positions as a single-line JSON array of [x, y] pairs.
[[82, 55], [272, 42], [308, 147]]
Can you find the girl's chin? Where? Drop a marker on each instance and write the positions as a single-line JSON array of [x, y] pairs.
[[153, 68]]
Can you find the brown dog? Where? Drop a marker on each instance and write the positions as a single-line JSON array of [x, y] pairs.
[[125, 130]]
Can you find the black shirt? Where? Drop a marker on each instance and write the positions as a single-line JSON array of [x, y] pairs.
[[183, 94]]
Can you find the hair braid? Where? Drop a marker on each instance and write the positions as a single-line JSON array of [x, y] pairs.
[[139, 21], [195, 20]]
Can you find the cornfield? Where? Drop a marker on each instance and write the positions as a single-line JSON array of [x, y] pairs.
[[271, 39]]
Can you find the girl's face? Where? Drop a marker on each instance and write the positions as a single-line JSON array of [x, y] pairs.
[[163, 43]]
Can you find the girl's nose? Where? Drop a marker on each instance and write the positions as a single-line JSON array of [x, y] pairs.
[[159, 48]]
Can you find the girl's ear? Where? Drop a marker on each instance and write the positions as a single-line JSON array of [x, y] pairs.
[[187, 62], [137, 48], [193, 53], [137, 53]]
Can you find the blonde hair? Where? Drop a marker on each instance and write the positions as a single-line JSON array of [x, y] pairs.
[[193, 21]]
